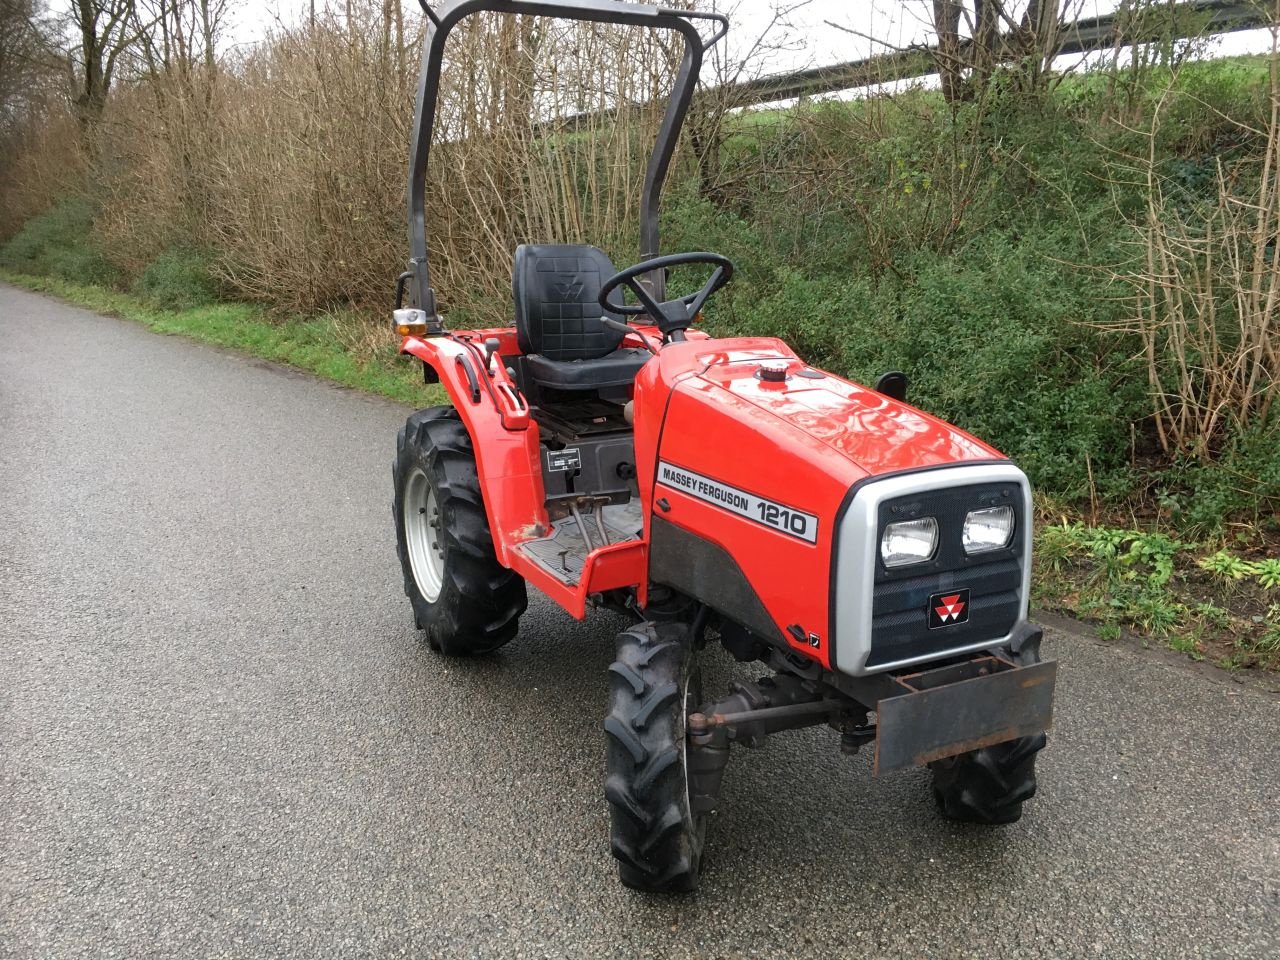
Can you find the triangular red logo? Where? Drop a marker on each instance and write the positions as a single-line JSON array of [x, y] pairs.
[[948, 609]]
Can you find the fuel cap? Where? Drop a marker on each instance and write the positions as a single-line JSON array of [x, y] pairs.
[[773, 371]]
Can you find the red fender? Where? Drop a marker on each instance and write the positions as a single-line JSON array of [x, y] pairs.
[[506, 446], [508, 460]]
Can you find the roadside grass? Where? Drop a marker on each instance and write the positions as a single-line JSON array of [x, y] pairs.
[[320, 345], [1207, 601]]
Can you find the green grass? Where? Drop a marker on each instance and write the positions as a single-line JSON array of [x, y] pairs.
[[58, 243], [1216, 604], [308, 344], [177, 279]]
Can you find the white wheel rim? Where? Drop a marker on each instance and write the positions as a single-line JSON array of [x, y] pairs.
[[422, 535], [684, 739]]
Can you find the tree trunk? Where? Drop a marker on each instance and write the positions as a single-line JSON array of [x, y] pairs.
[[92, 96], [946, 24], [986, 45]]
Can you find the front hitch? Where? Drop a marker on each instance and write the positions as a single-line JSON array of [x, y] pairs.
[[922, 715]]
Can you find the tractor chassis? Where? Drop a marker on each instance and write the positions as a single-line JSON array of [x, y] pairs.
[[921, 716]]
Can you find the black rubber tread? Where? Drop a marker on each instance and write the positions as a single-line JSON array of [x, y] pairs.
[[990, 785], [654, 836], [480, 602]]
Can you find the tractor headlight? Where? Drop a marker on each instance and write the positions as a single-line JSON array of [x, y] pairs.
[[910, 541], [987, 530]]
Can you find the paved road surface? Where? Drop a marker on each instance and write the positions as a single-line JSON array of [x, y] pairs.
[[220, 735]]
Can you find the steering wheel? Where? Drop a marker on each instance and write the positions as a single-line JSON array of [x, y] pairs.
[[672, 317]]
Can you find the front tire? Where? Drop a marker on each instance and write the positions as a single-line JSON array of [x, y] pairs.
[[465, 600], [653, 685], [989, 786]]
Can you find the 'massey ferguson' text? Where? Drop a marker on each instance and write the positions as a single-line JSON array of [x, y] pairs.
[[776, 516]]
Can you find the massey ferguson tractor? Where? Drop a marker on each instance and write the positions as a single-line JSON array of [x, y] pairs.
[[602, 449]]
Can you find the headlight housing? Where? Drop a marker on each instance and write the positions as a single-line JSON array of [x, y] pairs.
[[988, 529], [908, 542]]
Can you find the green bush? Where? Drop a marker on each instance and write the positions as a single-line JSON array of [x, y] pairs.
[[178, 279], [1243, 482], [994, 347], [59, 243]]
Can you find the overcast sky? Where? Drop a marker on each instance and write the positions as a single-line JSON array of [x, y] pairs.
[[899, 23], [892, 21], [813, 41]]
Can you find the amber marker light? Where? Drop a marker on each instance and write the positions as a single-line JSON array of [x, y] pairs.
[[409, 322]]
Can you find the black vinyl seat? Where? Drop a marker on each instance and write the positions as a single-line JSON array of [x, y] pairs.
[[559, 320]]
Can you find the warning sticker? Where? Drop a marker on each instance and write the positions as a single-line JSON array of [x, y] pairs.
[[566, 459], [795, 523]]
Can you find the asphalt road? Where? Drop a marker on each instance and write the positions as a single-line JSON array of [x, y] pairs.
[[221, 736]]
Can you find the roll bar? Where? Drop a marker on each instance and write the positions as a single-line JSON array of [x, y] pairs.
[[444, 18]]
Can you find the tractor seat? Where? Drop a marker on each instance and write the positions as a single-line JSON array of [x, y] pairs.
[[558, 319]]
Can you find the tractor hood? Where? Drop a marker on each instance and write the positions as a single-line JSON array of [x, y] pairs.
[[873, 432], [758, 460]]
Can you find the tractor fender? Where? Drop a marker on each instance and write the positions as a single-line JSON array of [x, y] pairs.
[[508, 458]]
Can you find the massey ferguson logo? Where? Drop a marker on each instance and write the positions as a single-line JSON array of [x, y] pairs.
[[567, 287], [948, 609]]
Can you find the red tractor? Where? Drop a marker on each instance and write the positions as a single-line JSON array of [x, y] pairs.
[[876, 560]]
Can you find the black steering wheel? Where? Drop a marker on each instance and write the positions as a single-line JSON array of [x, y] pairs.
[[672, 317]]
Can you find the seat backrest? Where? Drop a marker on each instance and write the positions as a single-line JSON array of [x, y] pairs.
[[555, 286]]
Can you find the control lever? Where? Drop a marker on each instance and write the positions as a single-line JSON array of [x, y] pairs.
[[626, 328]]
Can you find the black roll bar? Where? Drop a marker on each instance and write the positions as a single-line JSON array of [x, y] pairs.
[[450, 13]]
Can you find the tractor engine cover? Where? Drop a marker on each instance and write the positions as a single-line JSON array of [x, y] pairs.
[[770, 485]]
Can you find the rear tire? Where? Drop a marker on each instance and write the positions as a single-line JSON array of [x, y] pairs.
[[465, 600], [989, 786], [652, 686]]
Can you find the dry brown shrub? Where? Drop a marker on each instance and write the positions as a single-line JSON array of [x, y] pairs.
[[290, 165], [153, 171], [1206, 293], [307, 177], [44, 163]]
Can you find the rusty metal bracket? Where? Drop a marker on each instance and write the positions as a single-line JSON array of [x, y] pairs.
[[961, 707]]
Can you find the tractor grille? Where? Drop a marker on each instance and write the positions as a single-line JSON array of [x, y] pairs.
[[900, 598]]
